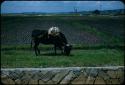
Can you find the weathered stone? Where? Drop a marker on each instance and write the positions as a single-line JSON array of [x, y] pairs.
[[115, 81], [120, 73], [24, 81], [87, 71], [99, 80], [37, 75], [50, 82], [33, 82], [93, 72], [82, 69], [86, 75], [8, 81], [18, 81], [59, 76], [5, 73], [121, 80], [108, 81], [90, 80], [26, 77], [103, 75], [79, 80], [112, 74], [48, 76], [4, 77], [77, 72], [68, 78], [14, 75], [41, 82], [21, 74], [40, 75]]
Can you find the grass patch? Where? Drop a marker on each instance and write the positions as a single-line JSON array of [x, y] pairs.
[[49, 47], [102, 57]]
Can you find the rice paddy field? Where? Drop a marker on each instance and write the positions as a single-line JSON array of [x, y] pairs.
[[97, 41]]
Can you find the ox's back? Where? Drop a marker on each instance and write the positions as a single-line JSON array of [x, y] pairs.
[[36, 33], [41, 36]]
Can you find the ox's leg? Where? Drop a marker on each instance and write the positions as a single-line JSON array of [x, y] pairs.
[[35, 48], [55, 49], [61, 49], [37, 51]]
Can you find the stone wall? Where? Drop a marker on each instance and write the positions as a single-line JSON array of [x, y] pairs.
[[68, 75]]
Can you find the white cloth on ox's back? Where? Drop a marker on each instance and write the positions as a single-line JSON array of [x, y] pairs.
[[53, 31]]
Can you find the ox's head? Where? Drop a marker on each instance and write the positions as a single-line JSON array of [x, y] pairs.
[[67, 49]]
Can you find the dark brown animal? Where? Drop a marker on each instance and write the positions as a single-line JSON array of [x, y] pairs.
[[41, 36]]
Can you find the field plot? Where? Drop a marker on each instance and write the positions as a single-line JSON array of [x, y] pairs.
[[90, 30], [97, 41]]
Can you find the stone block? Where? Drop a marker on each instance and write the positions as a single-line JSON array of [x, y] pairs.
[[25, 78], [8, 81], [90, 80], [112, 74], [68, 78], [77, 72], [122, 80], [50, 82], [5, 73], [14, 75], [93, 72], [24, 82], [18, 81], [57, 78], [99, 80], [20, 73], [37, 75], [41, 82], [4, 77], [120, 73], [81, 79], [49, 75], [87, 71], [33, 82], [104, 75], [115, 81]]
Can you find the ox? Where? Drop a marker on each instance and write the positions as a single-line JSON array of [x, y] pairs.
[[42, 36]]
